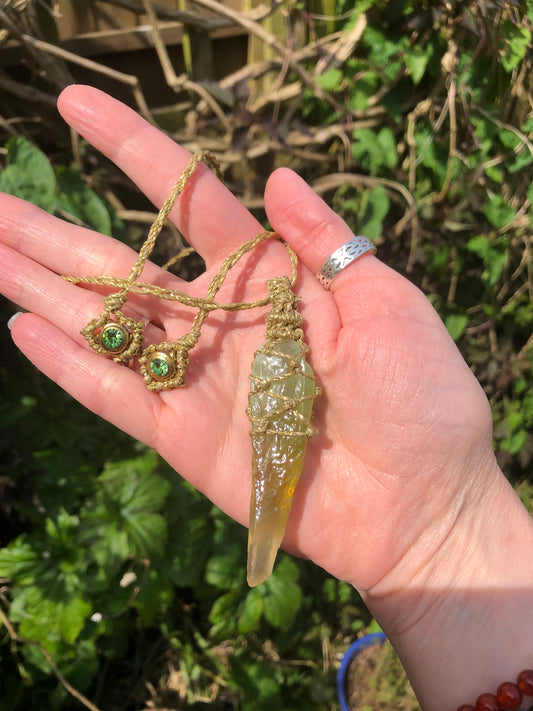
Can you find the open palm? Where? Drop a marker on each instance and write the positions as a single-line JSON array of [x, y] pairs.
[[402, 422]]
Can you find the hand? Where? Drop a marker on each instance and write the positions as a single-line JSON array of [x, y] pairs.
[[404, 427]]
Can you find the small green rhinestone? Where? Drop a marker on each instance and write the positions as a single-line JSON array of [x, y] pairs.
[[160, 367], [113, 338]]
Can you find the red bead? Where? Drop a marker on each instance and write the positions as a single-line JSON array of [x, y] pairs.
[[525, 682], [509, 695], [466, 707], [487, 702]]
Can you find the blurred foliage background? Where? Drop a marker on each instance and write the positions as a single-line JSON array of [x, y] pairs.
[[120, 586]]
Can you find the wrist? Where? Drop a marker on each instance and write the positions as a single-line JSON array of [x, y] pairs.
[[462, 622]]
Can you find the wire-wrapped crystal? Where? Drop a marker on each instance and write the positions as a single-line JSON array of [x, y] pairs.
[[282, 390]]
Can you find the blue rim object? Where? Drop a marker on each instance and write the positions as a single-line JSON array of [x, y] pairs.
[[353, 650]]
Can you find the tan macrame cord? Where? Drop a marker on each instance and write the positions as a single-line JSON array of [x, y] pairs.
[[283, 321]]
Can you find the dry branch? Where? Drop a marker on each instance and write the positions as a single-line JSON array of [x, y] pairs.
[[129, 79], [182, 82], [343, 48], [256, 29]]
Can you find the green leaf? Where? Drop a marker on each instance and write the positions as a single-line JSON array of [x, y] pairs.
[[336, 592], [456, 324], [78, 200], [261, 688], [493, 254], [430, 153], [499, 212], [416, 60], [19, 562], [376, 210], [223, 614], [522, 159], [375, 150], [127, 509], [190, 532], [227, 566], [330, 80], [250, 612], [283, 594], [381, 48], [509, 139], [222, 568], [156, 594], [514, 42], [42, 618], [494, 173], [28, 174], [480, 245], [363, 89], [189, 546], [134, 483], [66, 619], [485, 132], [514, 443], [373, 627]]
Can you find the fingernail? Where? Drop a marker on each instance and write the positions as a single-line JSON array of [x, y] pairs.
[[13, 319]]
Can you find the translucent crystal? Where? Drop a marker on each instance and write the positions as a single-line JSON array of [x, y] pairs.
[[278, 452]]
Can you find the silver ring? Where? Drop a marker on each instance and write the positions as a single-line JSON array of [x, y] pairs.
[[342, 257]]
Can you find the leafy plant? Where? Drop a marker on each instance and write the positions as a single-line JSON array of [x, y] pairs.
[[29, 174], [429, 123]]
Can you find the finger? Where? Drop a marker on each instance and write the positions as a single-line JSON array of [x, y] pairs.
[[212, 220], [314, 231], [114, 392], [35, 288], [68, 249], [65, 248]]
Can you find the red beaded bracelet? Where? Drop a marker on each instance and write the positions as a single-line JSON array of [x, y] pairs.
[[508, 696]]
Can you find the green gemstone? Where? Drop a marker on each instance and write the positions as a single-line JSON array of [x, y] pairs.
[[113, 338], [160, 367]]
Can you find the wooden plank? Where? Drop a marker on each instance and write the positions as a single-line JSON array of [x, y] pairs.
[[259, 51], [109, 17], [75, 18], [125, 40]]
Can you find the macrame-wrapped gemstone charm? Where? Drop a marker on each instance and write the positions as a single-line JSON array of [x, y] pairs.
[[163, 364], [115, 335], [282, 390]]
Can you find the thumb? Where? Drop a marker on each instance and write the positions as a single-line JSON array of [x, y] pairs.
[[315, 231]]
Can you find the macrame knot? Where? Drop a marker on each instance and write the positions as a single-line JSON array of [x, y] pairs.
[[181, 355], [284, 320], [113, 302], [163, 365], [114, 334]]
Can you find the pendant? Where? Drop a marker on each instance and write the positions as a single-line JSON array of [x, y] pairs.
[[115, 335], [282, 390]]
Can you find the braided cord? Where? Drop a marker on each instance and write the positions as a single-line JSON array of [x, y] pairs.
[[113, 303]]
